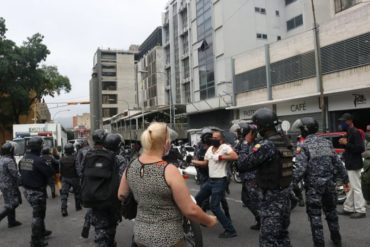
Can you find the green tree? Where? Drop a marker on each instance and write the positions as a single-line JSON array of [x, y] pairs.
[[23, 77]]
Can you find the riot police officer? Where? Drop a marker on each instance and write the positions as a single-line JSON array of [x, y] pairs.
[[35, 173], [114, 142], [68, 172], [272, 159], [104, 219], [51, 161], [9, 184], [246, 134], [319, 166]]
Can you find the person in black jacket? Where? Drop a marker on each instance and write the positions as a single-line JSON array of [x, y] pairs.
[[354, 206], [68, 173], [51, 161], [35, 173]]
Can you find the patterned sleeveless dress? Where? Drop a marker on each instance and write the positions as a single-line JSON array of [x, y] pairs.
[[159, 221]]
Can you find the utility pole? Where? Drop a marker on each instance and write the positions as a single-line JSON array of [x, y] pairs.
[[320, 84]]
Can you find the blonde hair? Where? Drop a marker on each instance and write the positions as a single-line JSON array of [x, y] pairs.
[[155, 136]]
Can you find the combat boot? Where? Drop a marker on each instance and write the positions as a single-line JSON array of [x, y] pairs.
[[85, 231], [78, 206], [64, 212], [4, 213], [11, 219], [336, 238]]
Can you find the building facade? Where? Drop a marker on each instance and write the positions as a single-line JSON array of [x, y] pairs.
[[282, 75], [112, 85]]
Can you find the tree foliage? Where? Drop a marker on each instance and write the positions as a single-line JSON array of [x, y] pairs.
[[23, 77]]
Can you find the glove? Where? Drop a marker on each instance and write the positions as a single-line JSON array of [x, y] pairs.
[[189, 158]]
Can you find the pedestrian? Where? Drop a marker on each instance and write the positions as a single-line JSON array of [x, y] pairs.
[[9, 184], [272, 158], [250, 197], [51, 161], [100, 182], [35, 173], [216, 158], [70, 179], [203, 172], [354, 205], [161, 193], [319, 166], [365, 175]]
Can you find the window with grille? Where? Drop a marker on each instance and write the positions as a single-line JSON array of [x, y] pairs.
[[341, 5], [287, 2], [294, 22]]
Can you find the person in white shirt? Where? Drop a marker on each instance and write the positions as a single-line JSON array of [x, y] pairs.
[[216, 158]]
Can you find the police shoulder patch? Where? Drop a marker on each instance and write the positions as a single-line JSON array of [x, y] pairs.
[[256, 147]]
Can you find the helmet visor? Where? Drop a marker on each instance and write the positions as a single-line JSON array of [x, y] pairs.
[[297, 125]]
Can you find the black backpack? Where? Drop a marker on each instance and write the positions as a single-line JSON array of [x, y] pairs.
[[100, 180]]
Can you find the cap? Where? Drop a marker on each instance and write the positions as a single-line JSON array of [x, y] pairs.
[[345, 116]]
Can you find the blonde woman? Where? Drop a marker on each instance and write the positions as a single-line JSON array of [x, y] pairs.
[[161, 193]]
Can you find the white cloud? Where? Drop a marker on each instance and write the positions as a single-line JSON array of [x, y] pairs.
[[73, 31]]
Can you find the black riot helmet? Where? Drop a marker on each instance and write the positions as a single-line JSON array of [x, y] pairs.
[[69, 148], [265, 119], [7, 149], [306, 125], [99, 136], [206, 136], [35, 144], [45, 150], [241, 129], [113, 142]]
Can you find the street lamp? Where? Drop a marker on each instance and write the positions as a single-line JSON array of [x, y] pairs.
[[58, 113], [172, 119], [129, 117]]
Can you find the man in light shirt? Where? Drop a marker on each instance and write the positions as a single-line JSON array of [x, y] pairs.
[[216, 158]]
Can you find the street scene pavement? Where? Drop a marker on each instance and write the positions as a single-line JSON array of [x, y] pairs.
[[66, 230]]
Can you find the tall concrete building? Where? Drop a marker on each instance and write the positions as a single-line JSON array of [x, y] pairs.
[[282, 76], [112, 85], [176, 44], [219, 31]]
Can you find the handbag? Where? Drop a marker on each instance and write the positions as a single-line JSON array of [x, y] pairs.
[[129, 207], [129, 204]]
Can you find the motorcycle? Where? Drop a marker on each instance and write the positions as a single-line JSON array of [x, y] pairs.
[[192, 230], [234, 172]]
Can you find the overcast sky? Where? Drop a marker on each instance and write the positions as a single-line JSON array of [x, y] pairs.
[[74, 29]]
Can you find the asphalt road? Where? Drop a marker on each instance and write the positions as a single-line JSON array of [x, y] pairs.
[[66, 231]]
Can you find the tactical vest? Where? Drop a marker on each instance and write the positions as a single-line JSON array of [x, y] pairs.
[[68, 167], [277, 172]]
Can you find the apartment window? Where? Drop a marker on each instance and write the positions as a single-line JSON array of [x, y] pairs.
[[186, 68], [287, 2], [185, 44], [261, 36], [104, 66], [109, 85], [108, 73], [108, 56], [109, 112], [341, 5], [260, 10], [294, 22], [277, 13], [278, 37], [109, 99]]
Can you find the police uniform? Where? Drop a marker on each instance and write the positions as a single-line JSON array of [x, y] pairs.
[[273, 162], [51, 161], [34, 175], [319, 166], [249, 195], [104, 220], [68, 172], [9, 189]]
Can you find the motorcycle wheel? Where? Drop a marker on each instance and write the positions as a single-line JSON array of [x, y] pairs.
[[192, 233], [236, 176]]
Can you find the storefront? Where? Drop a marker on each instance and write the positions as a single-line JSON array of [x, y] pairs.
[[356, 103], [299, 108]]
